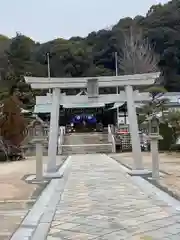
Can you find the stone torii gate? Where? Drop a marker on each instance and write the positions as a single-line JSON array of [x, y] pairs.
[[125, 82]]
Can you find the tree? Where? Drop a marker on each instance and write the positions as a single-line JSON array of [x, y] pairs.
[[169, 64], [12, 122], [173, 118], [157, 104], [137, 55]]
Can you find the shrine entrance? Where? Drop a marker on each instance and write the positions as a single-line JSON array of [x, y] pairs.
[[83, 119], [128, 85]]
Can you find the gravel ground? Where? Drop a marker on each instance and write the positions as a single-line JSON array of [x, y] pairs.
[[169, 164], [16, 195]]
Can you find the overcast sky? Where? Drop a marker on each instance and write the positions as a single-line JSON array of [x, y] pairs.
[[44, 20]]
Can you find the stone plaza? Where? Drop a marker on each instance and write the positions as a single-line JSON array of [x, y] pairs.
[[97, 199]]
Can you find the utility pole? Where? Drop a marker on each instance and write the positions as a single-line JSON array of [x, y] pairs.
[[116, 63], [117, 88], [49, 70]]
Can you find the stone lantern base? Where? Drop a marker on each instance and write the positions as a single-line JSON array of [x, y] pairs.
[[53, 175], [140, 172]]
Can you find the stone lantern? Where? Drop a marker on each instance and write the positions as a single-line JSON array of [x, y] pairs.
[[38, 133], [37, 130], [154, 138], [154, 126]]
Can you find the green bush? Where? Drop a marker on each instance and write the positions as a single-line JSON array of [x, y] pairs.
[[175, 147], [168, 137], [3, 157]]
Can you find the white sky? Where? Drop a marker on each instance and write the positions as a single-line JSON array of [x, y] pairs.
[[44, 20]]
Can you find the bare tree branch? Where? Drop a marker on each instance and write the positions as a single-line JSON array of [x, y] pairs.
[[137, 55]]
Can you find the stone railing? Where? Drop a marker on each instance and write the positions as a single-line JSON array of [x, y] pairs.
[[111, 138], [61, 135]]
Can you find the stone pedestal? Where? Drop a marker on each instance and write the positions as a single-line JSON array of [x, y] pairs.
[[155, 156], [38, 142], [143, 172], [54, 175], [39, 161]]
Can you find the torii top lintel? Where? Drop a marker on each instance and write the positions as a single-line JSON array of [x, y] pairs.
[[107, 81]]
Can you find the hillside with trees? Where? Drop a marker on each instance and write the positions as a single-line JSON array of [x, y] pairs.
[[95, 54]]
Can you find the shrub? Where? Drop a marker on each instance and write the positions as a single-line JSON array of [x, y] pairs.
[[175, 147], [168, 137], [3, 156]]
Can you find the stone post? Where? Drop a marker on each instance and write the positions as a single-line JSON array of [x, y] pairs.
[[136, 148], [39, 161], [53, 132], [155, 156]]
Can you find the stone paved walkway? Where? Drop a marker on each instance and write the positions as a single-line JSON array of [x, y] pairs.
[[101, 202]]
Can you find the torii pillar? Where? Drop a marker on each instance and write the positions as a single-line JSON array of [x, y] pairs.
[[54, 130], [134, 131]]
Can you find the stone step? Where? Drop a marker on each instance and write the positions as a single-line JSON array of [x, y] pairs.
[[86, 139], [77, 143], [83, 143], [86, 149]]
